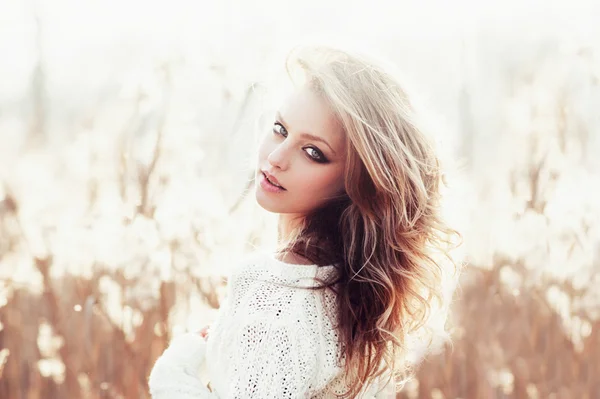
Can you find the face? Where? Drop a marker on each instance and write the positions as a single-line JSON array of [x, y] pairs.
[[304, 155]]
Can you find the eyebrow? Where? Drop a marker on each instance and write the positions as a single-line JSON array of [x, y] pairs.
[[308, 135]]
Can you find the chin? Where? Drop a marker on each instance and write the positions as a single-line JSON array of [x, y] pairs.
[[267, 203], [275, 205]]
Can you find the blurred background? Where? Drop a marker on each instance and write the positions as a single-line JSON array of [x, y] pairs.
[[126, 136]]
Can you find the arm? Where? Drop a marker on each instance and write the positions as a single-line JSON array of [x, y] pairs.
[[386, 392], [174, 375], [271, 361]]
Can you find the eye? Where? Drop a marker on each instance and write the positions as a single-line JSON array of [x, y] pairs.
[[279, 129], [312, 152], [315, 154]]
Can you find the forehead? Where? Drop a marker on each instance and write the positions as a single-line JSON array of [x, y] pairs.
[[304, 111]]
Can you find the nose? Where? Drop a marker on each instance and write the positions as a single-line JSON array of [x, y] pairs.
[[278, 157]]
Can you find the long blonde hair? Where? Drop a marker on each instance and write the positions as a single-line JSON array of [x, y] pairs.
[[386, 234]]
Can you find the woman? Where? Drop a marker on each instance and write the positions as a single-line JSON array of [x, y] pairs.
[[356, 184]]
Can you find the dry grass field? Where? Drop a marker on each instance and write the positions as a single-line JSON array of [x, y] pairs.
[[124, 161]]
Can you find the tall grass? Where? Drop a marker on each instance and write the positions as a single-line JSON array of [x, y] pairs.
[[117, 233]]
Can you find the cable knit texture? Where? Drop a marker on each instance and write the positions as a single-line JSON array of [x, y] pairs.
[[271, 339]]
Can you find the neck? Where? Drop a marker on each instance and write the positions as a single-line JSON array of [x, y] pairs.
[[286, 225]]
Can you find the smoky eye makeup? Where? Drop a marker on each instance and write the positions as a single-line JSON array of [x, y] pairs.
[[313, 153], [278, 128]]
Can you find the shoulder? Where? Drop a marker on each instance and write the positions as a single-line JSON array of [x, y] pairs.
[[248, 263], [281, 293]]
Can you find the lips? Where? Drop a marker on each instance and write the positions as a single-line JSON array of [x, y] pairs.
[[272, 180]]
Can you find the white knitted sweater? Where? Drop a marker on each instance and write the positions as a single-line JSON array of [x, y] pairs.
[[268, 341]]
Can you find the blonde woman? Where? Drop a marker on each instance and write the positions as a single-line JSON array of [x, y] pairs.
[[356, 183]]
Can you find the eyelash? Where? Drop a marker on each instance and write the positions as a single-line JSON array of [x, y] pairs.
[[321, 158]]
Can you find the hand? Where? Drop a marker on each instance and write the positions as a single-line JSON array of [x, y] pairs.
[[204, 332]]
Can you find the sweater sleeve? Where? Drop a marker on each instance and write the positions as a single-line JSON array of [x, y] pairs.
[[385, 389], [272, 360], [175, 373]]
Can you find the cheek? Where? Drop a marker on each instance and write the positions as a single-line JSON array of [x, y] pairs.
[[265, 148], [324, 182]]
